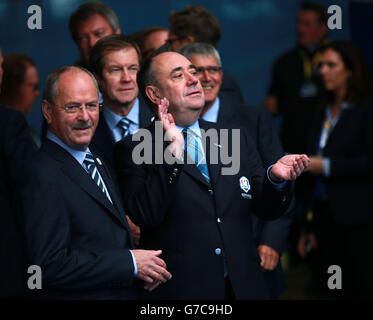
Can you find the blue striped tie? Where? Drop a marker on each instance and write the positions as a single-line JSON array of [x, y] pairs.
[[95, 175], [125, 123], [194, 149]]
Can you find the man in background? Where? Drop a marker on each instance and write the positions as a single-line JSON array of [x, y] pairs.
[[92, 21]]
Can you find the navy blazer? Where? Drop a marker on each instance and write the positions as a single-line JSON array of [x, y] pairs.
[[350, 149], [16, 147], [74, 233], [194, 222], [103, 141], [258, 122]]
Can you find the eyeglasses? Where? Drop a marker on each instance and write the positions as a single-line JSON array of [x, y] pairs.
[[91, 107], [211, 70]]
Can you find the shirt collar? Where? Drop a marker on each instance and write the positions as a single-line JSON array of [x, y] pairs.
[[212, 113], [113, 119], [194, 127], [79, 155]]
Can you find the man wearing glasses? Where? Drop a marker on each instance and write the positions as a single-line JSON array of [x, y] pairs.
[[75, 227]]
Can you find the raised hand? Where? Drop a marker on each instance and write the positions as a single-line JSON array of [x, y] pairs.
[[172, 133], [289, 167]]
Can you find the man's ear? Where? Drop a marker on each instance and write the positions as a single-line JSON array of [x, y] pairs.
[[117, 31], [47, 111], [153, 94]]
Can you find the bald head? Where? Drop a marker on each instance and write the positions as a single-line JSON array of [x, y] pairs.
[[71, 106], [174, 77]]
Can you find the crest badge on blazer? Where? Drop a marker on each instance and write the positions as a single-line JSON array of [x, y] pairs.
[[245, 184]]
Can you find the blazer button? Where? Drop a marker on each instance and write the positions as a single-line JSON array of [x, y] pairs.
[[284, 199], [210, 192], [176, 170], [218, 251], [218, 220]]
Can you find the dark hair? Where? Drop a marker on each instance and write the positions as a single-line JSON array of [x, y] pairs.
[[317, 8], [360, 83], [140, 36], [14, 71], [89, 9], [114, 42], [195, 21]]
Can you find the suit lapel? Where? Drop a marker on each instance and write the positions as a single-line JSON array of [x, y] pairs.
[[76, 173], [145, 113], [225, 109]]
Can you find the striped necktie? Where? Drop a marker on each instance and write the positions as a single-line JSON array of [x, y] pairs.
[[194, 149], [125, 123], [94, 173]]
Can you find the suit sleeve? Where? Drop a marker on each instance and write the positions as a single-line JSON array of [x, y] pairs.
[[269, 203], [272, 233], [18, 145], [49, 230]]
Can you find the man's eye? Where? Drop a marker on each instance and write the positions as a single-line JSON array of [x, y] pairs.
[[178, 75], [71, 108]]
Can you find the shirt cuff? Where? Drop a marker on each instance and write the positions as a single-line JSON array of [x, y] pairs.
[[278, 186], [326, 167], [134, 264]]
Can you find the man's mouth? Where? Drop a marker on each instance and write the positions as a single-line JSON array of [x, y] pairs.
[[195, 92]]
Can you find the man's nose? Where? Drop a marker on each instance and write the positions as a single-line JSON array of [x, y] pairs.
[[92, 41], [205, 75], [83, 113], [125, 76]]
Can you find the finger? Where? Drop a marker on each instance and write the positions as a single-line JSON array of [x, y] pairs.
[[301, 165]]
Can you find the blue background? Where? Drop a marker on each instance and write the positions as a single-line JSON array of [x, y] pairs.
[[254, 33]]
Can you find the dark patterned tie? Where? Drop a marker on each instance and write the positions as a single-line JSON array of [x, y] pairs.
[[125, 123], [95, 175]]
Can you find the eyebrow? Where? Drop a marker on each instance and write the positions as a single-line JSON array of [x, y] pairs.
[[191, 66]]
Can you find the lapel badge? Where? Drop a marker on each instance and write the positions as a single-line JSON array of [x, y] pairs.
[[244, 184], [99, 161]]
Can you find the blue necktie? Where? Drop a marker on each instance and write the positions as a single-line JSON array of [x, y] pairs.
[[124, 123], [194, 149], [95, 175]]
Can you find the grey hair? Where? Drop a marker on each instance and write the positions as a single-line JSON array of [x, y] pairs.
[[205, 49], [51, 84]]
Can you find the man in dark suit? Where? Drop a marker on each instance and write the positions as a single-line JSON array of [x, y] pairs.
[[270, 236], [16, 147], [115, 63], [76, 229], [197, 212]]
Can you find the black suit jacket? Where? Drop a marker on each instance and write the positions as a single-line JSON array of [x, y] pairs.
[[191, 220], [350, 149], [74, 233], [103, 141], [16, 147], [231, 88], [258, 123]]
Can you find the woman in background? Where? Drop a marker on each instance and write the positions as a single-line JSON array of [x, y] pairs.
[[341, 145]]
